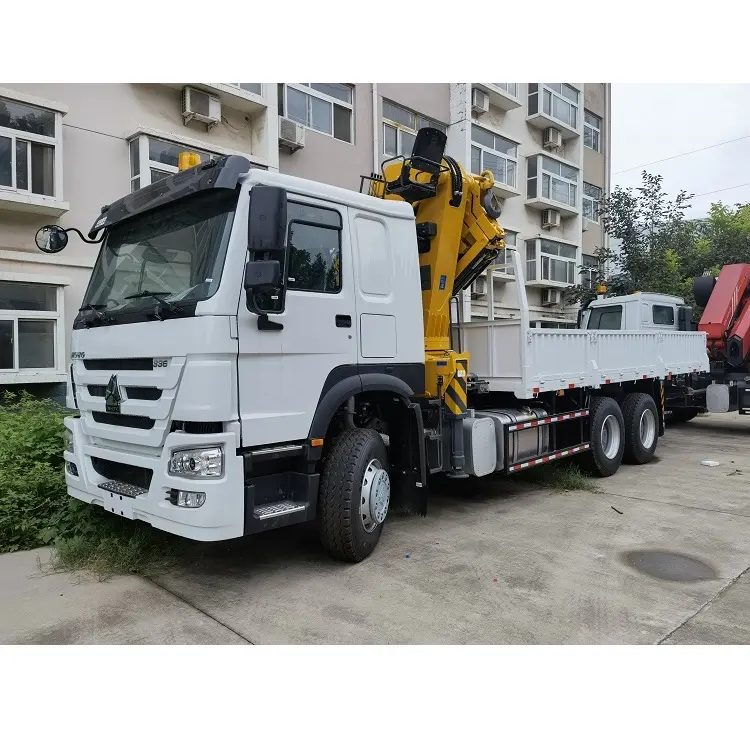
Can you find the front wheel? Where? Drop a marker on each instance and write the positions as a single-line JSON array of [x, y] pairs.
[[607, 444], [355, 493], [641, 427]]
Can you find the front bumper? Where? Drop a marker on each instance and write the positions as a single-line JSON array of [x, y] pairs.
[[222, 516]]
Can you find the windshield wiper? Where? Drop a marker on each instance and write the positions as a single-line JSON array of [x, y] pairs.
[[171, 306], [98, 315]]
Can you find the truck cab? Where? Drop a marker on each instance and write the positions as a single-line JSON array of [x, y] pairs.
[[642, 311]]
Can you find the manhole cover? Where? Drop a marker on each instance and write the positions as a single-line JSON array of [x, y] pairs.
[[669, 566]]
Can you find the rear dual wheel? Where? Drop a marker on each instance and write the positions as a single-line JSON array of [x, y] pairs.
[[641, 428], [607, 438]]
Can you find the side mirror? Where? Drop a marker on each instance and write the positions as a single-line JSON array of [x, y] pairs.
[[261, 274], [266, 230], [51, 239], [266, 241]]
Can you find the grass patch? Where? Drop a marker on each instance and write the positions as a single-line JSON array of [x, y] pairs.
[[35, 509], [563, 477], [125, 548]]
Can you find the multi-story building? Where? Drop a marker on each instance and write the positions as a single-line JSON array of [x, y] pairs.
[[68, 149]]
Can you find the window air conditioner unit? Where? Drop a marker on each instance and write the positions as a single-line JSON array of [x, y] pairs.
[[480, 102], [551, 297], [291, 134], [479, 287], [550, 218], [552, 138], [200, 106]]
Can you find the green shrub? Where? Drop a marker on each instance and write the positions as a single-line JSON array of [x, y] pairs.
[[35, 509], [32, 482]]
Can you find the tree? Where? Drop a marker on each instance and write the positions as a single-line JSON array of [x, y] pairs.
[[655, 247]]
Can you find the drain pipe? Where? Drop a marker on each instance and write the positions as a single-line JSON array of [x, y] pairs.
[[375, 131]]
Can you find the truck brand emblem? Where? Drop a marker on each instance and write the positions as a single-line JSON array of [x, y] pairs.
[[112, 396]]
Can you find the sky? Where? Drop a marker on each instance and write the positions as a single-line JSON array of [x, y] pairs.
[[653, 121]]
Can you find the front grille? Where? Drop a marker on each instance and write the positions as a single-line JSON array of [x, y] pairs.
[[141, 393], [123, 420], [118, 364], [135, 475], [197, 428]]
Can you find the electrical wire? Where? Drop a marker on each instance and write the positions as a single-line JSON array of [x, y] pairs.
[[685, 153], [721, 190]]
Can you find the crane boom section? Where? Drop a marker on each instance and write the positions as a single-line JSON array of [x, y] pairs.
[[458, 238]]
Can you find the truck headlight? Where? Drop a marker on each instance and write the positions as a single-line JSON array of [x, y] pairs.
[[197, 463], [68, 441]]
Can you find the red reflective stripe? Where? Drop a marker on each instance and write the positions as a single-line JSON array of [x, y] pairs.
[[607, 381], [571, 385]]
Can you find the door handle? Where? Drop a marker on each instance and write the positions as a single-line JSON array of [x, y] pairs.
[[343, 321]]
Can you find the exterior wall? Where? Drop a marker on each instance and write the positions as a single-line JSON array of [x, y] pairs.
[[326, 159], [595, 163], [99, 120]]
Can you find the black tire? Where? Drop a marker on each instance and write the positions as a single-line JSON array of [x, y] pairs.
[[596, 461], [341, 528], [634, 407]]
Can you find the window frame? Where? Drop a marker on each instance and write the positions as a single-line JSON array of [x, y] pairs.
[[547, 87], [508, 269], [670, 324], [539, 178], [306, 89], [505, 87], [496, 153], [536, 256], [322, 225], [588, 271], [400, 128], [243, 91], [595, 203], [55, 141], [604, 309], [18, 374], [596, 130]]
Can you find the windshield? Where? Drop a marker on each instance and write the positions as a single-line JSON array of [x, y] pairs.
[[175, 254]]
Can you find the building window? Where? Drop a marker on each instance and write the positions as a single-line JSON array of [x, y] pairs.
[[592, 131], [29, 139], [495, 153], [253, 88], [589, 270], [551, 261], [325, 107], [151, 159], [511, 241], [559, 101], [314, 241], [29, 319], [400, 128], [592, 196], [509, 88], [559, 181]]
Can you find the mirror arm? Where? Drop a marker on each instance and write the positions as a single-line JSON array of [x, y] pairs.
[[88, 242]]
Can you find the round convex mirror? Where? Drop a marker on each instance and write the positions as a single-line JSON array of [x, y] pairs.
[[51, 238]]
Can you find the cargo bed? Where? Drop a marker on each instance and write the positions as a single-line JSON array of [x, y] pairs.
[[524, 361]]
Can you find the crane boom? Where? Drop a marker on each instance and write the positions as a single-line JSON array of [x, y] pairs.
[[458, 238]]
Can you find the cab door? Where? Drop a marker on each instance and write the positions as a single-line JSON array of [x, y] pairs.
[[282, 371]]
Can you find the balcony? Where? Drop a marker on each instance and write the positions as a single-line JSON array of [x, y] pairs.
[[552, 183], [550, 264], [504, 96], [555, 105]]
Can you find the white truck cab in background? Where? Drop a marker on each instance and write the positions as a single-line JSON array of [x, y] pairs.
[[641, 311]]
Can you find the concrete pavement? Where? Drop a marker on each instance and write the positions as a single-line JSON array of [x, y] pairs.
[[511, 564]]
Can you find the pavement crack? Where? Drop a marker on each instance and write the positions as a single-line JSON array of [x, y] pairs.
[[676, 505], [198, 609], [661, 641]]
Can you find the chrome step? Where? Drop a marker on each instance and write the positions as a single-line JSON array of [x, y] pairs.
[[277, 509]]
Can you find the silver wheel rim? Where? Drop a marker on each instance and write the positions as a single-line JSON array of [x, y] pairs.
[[610, 436], [647, 428], [375, 495]]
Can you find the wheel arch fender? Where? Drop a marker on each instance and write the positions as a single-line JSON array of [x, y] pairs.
[[338, 393]]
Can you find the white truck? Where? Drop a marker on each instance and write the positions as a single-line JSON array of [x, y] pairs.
[[256, 350]]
